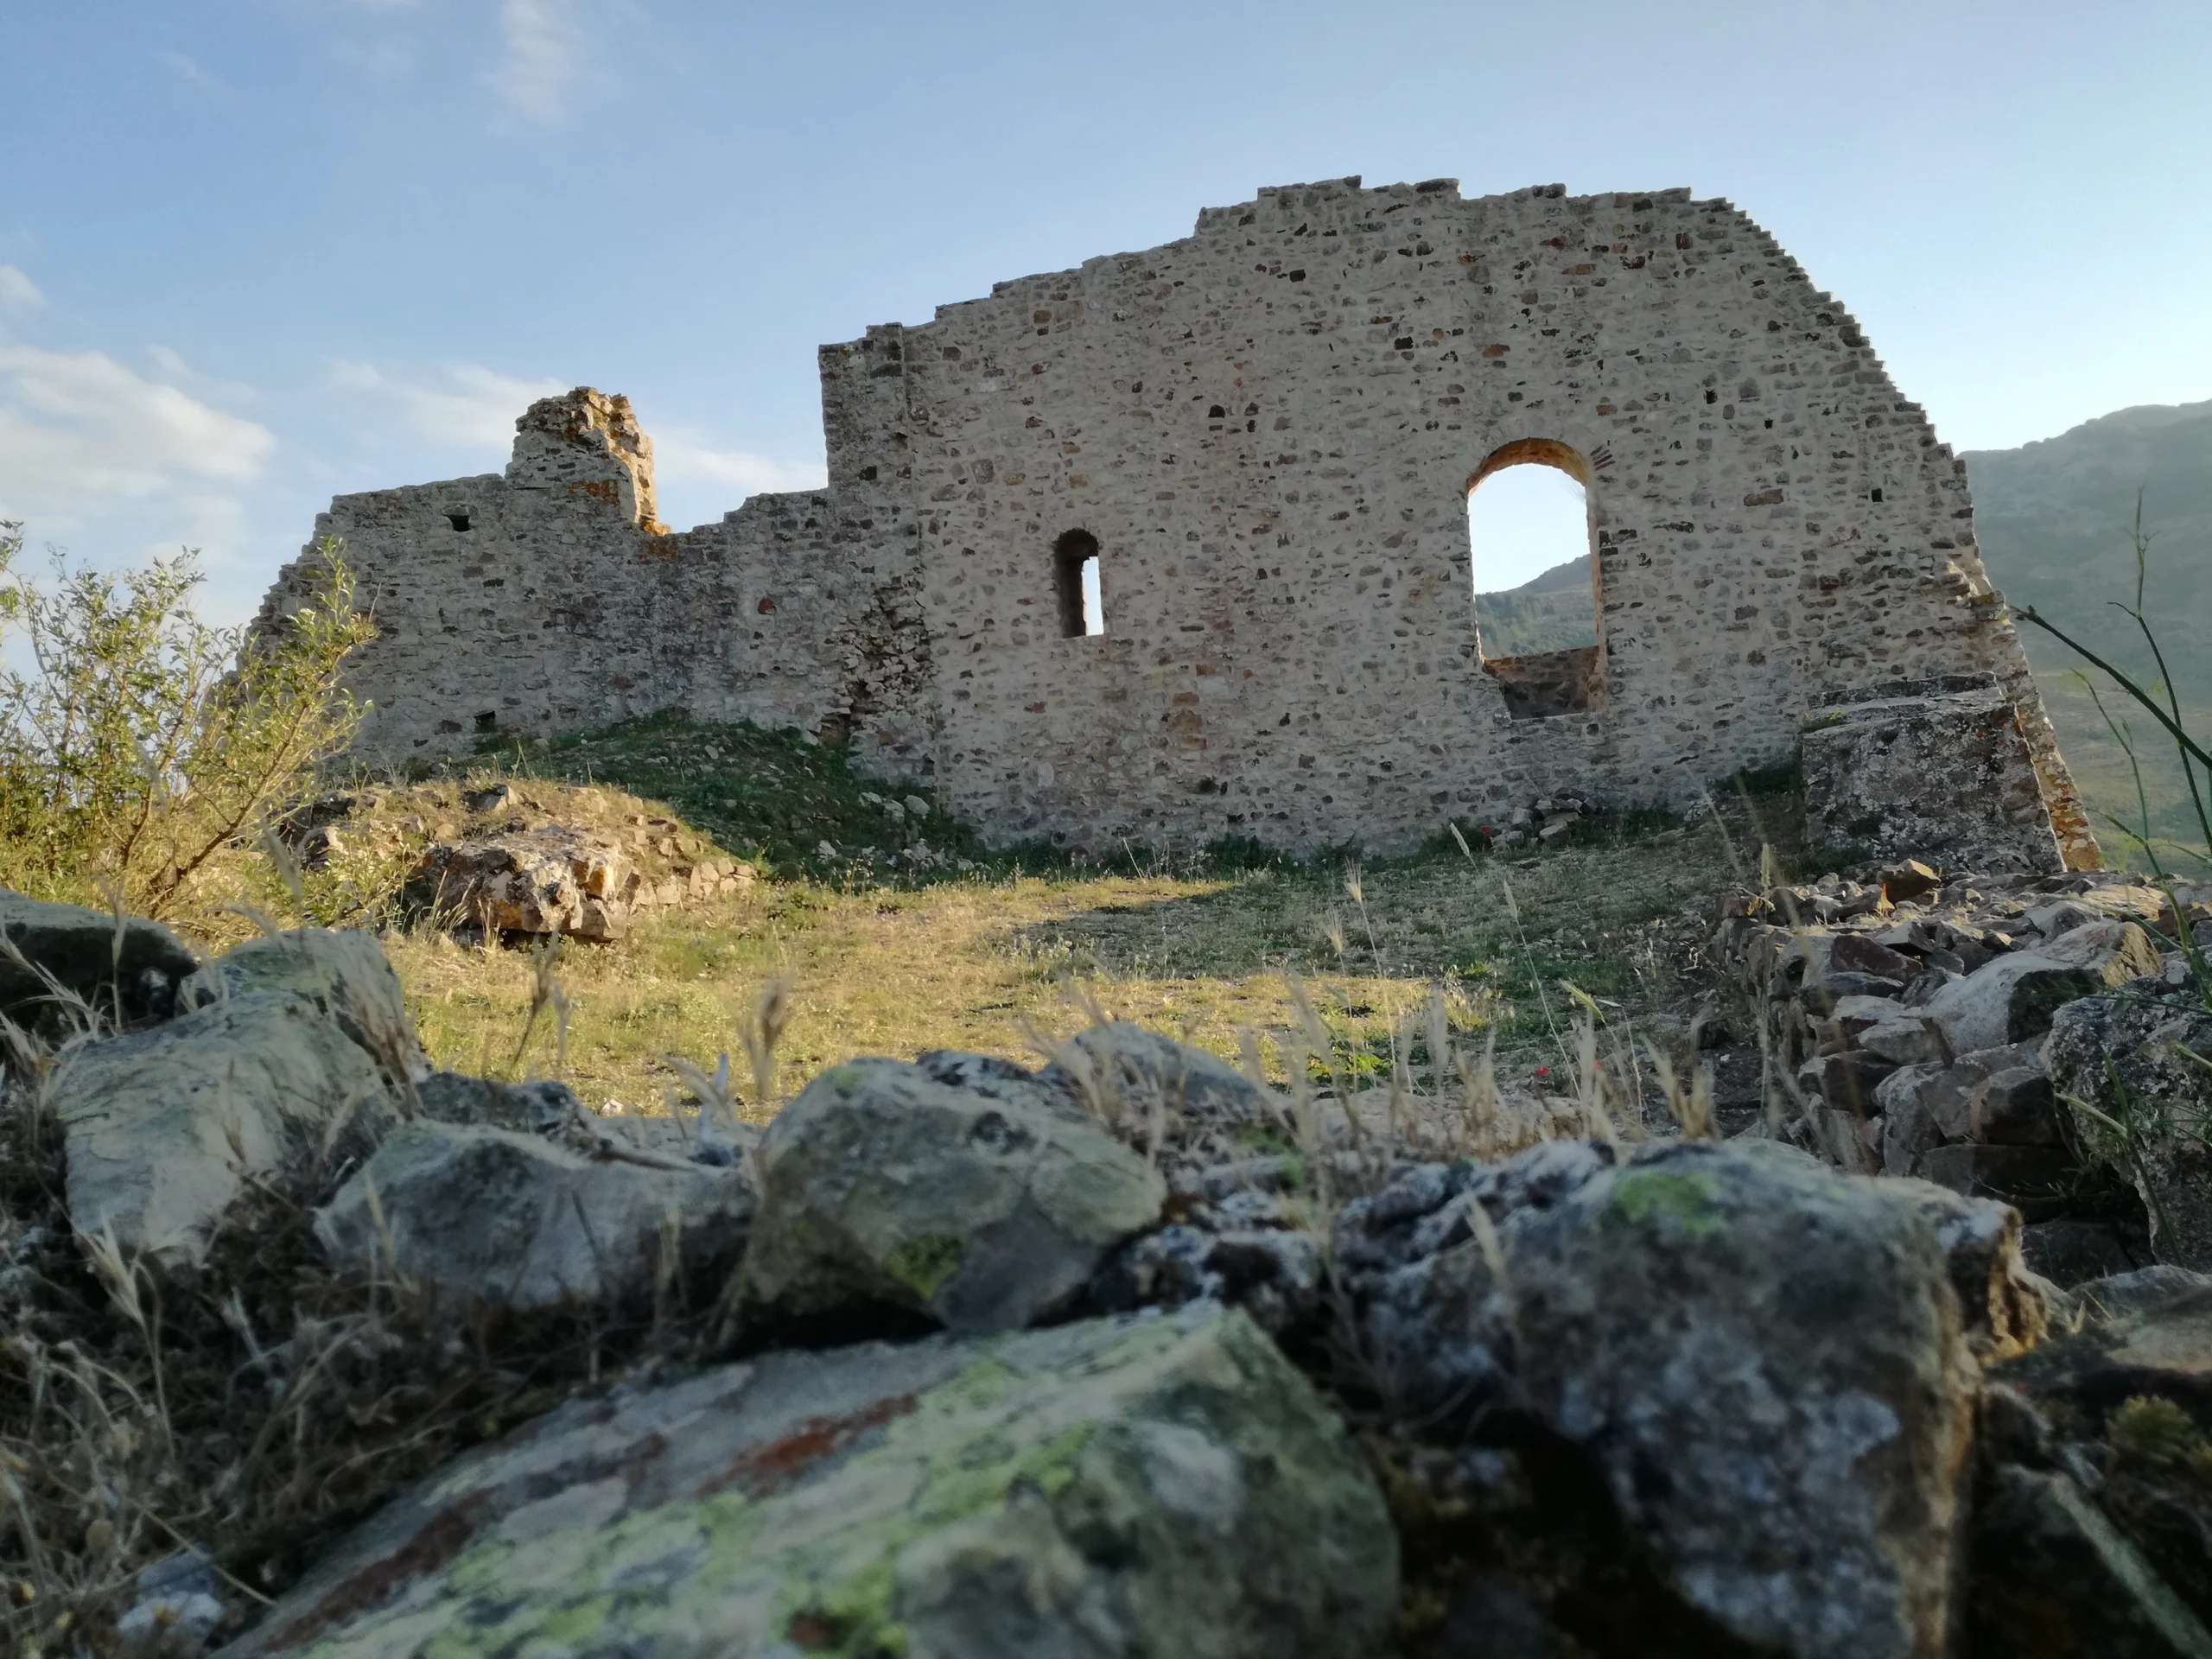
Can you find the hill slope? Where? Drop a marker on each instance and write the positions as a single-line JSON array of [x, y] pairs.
[[2054, 518]]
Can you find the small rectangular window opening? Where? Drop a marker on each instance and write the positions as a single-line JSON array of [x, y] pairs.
[[1078, 585], [458, 520], [488, 721]]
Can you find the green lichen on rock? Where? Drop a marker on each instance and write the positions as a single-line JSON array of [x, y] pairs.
[[1164, 1486], [1691, 1202], [924, 1264]]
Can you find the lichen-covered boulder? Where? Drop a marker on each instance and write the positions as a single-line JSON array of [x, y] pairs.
[[496, 1217], [1767, 1365], [1165, 1486], [2142, 1059], [883, 1186], [342, 971], [162, 1128], [132, 968]]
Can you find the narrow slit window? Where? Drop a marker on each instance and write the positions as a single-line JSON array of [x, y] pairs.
[[1077, 584]]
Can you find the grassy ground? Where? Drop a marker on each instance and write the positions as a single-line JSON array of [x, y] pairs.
[[978, 962], [898, 931]]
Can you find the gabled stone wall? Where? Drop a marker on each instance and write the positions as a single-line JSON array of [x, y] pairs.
[[1269, 430]]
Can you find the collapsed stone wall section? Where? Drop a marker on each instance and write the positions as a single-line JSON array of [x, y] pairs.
[[1268, 430]]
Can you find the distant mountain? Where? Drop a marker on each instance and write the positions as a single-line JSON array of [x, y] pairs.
[[1549, 612], [2055, 520]]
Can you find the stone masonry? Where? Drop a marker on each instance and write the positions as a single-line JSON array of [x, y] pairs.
[[1267, 432]]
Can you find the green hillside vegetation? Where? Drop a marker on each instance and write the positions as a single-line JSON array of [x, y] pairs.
[[1552, 612], [2055, 520]]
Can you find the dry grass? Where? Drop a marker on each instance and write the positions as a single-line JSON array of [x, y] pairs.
[[970, 964]]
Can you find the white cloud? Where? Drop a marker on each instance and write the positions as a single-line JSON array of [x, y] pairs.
[[80, 434], [679, 459], [474, 406], [187, 67], [545, 57], [17, 289]]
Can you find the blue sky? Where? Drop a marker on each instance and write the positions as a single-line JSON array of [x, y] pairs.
[[255, 252]]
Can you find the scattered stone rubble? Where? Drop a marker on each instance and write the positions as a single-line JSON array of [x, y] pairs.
[[1938, 1024], [1077, 1362], [536, 858]]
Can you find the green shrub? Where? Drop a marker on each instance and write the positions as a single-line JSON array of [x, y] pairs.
[[138, 743]]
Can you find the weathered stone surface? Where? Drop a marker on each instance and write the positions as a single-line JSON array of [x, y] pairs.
[[2015, 1107], [2116, 950], [1938, 766], [556, 879], [2139, 1058], [910, 608], [1165, 1486], [342, 972], [510, 1220], [138, 971], [2010, 1000], [2053, 1579], [1769, 1363], [883, 1185], [532, 1108], [163, 1126], [2071, 1251], [2038, 1181], [2149, 1332], [1239, 1237]]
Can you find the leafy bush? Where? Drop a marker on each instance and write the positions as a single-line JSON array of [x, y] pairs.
[[139, 743]]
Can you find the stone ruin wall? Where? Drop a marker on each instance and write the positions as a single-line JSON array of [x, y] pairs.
[[549, 598], [1269, 430]]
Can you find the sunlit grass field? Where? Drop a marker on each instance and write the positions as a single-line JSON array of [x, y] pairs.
[[991, 961]]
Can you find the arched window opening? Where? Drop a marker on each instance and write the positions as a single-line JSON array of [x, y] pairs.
[[1077, 585], [1536, 583]]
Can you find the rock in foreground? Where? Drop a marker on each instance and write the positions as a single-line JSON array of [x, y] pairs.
[[1162, 1486], [164, 1127], [133, 968], [492, 1217], [980, 1210], [1767, 1364]]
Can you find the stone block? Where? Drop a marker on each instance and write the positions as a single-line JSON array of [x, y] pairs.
[[2038, 1181], [1848, 1082], [1938, 766], [2016, 1108]]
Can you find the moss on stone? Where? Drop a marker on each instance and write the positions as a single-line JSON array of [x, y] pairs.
[[924, 1264], [1690, 1202]]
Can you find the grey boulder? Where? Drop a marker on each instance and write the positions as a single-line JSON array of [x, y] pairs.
[[133, 969], [1769, 1366], [163, 1127], [883, 1186], [342, 972], [1160, 1094], [1166, 1487], [2142, 1059], [495, 1217], [2010, 1000]]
